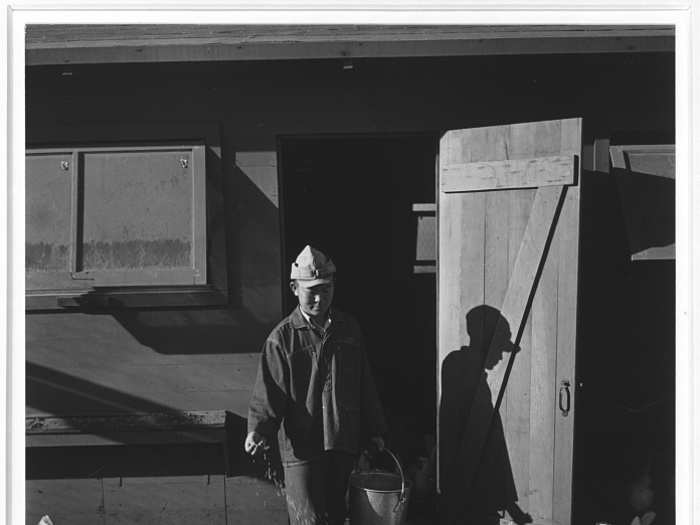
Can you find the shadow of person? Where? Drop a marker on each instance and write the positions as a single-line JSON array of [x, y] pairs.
[[476, 479]]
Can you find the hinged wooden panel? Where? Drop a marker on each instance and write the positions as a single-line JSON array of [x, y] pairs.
[[507, 273], [645, 177], [116, 216], [659, 160]]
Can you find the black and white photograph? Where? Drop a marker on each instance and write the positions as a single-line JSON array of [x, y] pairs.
[[350, 273]]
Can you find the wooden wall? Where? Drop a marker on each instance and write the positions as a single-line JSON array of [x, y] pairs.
[[146, 484], [204, 358]]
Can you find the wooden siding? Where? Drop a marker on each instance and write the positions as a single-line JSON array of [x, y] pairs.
[[157, 499], [73, 44], [140, 362], [204, 359], [79, 501], [178, 499]]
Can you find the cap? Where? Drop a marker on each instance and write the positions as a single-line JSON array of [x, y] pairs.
[[312, 267]]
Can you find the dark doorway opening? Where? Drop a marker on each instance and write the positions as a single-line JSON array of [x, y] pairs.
[[353, 197]]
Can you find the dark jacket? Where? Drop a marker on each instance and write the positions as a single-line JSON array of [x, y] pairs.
[[316, 389]]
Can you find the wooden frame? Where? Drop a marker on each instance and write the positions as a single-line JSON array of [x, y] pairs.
[[425, 215], [507, 258], [210, 287], [206, 426], [80, 44], [657, 160], [633, 158], [125, 277], [426, 209]]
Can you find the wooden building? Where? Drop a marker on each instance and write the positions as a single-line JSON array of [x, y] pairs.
[[173, 172]]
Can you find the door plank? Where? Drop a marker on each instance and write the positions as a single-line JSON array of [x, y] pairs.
[[571, 136], [565, 366], [461, 259], [496, 264], [566, 330], [548, 138], [520, 173], [543, 355], [463, 262], [518, 392], [496, 283]]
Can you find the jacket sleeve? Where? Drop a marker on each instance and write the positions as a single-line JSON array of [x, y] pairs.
[[269, 398], [371, 408]]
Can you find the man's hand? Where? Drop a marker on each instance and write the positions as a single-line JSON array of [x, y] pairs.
[[253, 441], [378, 442]]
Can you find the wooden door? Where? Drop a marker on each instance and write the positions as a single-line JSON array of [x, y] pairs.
[[508, 221]]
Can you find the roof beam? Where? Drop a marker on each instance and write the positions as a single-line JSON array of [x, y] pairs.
[[47, 45]]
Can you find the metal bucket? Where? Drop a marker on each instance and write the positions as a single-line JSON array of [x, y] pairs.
[[379, 498]]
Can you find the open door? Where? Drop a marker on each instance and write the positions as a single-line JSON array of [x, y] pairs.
[[508, 227]]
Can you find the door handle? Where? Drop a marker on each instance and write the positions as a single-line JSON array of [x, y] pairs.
[[565, 397]]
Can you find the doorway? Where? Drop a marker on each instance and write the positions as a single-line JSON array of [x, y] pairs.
[[354, 198]]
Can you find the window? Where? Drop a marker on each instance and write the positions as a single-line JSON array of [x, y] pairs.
[[117, 219]]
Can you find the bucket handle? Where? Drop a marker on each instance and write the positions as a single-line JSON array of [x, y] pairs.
[[402, 497]]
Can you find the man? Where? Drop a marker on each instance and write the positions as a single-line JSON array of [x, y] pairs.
[[314, 389]]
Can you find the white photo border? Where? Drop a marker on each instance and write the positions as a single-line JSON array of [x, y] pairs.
[[684, 15]]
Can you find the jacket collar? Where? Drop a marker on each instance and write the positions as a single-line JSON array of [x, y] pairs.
[[297, 318], [299, 321]]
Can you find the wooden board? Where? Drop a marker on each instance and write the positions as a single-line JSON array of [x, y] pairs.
[[149, 362], [48, 229], [261, 168], [75, 501], [171, 500], [460, 260], [137, 209], [66, 44], [192, 420], [116, 429], [518, 395], [568, 243], [252, 501], [657, 253], [541, 374], [521, 173], [242, 500], [103, 438], [659, 160], [62, 35], [425, 239]]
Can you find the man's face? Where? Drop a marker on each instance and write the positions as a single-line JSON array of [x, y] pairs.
[[314, 300]]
